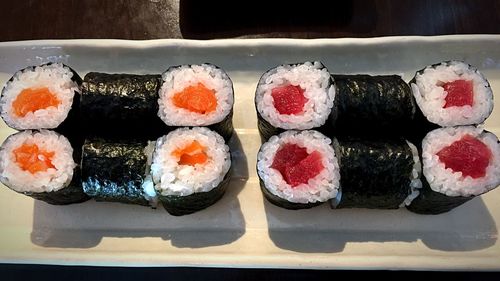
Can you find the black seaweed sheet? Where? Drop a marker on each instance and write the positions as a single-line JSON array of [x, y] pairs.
[[430, 202], [115, 170], [374, 174], [373, 105], [121, 105], [185, 205]]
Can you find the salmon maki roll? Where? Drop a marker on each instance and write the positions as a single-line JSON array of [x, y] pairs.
[[42, 164], [197, 95], [40, 97]]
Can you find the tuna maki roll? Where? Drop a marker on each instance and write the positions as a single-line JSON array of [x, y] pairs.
[[40, 97], [459, 163], [41, 164], [197, 95], [190, 169], [118, 171], [298, 169], [296, 96], [452, 93], [118, 104], [377, 174]]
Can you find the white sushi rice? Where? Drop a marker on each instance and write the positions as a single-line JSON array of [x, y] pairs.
[[57, 78], [452, 183], [313, 78], [321, 188], [179, 78], [430, 95], [52, 179], [416, 172], [171, 178]]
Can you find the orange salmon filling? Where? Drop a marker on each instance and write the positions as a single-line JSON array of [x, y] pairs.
[[31, 158], [192, 154], [197, 98], [31, 100]]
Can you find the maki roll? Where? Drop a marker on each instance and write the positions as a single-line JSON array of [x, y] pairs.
[[190, 169], [298, 169], [459, 163], [296, 96], [452, 93], [118, 171], [116, 104], [372, 105], [197, 95], [41, 164], [40, 97], [377, 174]]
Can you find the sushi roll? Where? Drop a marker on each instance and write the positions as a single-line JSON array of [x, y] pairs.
[[118, 104], [197, 95], [452, 93], [40, 97], [118, 171], [377, 174], [296, 96], [190, 169], [459, 163], [298, 169], [42, 164], [373, 105]]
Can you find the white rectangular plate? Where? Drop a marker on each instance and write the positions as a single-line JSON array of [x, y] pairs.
[[244, 230]]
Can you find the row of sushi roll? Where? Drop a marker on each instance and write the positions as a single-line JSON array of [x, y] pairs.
[[307, 96], [139, 139], [361, 141], [53, 96]]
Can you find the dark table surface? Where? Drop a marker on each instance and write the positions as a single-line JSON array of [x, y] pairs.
[[153, 19]]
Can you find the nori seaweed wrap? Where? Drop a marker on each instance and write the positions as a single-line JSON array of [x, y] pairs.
[[376, 174], [121, 105], [373, 105], [43, 165], [116, 171]]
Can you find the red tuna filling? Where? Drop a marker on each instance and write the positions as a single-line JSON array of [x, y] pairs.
[[459, 93], [296, 165], [467, 155], [289, 99]]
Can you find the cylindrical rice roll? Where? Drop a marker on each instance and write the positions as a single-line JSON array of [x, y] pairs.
[[298, 169], [197, 95], [377, 174], [452, 93], [190, 169], [118, 171], [121, 105], [373, 105], [41, 97], [42, 164], [295, 96], [459, 163]]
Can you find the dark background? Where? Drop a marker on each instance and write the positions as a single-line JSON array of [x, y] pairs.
[[154, 19]]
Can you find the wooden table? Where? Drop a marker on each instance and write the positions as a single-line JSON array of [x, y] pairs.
[[153, 19]]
